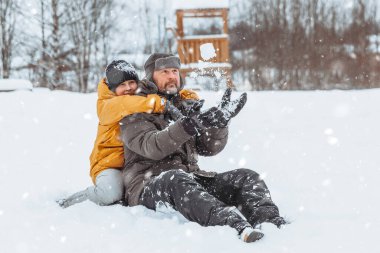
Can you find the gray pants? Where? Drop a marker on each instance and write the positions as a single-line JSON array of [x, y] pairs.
[[108, 189]]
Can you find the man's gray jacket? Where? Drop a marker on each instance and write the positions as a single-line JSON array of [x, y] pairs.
[[153, 144]]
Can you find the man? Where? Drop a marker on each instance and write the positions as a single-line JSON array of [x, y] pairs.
[[161, 159]]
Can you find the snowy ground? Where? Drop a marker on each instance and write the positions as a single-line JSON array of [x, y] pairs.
[[318, 151]]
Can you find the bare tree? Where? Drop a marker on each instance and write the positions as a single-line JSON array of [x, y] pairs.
[[48, 51], [147, 24], [106, 21], [56, 48], [44, 79], [83, 30], [7, 25]]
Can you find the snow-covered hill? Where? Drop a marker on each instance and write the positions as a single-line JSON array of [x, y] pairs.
[[318, 151]]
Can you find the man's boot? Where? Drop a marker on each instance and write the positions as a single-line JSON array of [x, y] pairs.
[[250, 235]]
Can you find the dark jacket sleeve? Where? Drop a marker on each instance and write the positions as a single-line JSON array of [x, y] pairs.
[[212, 141], [141, 136]]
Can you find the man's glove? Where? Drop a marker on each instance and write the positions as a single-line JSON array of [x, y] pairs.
[[190, 107], [215, 117], [173, 111], [186, 107]]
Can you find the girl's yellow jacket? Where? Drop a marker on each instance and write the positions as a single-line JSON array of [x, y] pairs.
[[108, 149]]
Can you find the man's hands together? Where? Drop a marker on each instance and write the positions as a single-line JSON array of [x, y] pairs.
[[187, 108], [219, 116], [215, 117]]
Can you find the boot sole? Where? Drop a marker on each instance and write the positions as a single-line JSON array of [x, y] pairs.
[[254, 236]]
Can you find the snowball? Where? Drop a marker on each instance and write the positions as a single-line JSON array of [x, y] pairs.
[[207, 51]]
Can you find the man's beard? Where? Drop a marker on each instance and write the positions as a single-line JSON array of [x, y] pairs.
[[171, 88]]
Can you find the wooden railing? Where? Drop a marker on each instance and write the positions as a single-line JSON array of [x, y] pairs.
[[189, 48]]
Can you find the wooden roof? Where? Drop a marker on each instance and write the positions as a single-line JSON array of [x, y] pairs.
[[200, 4]]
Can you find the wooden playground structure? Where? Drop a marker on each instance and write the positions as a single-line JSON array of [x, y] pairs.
[[189, 47]]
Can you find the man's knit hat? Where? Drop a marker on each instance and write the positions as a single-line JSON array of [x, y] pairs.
[[120, 71], [159, 61]]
